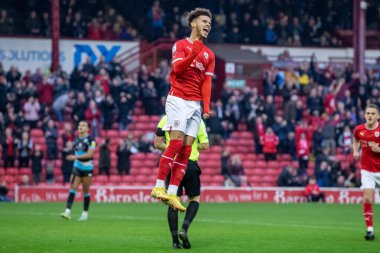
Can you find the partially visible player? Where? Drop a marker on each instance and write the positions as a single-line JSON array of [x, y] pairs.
[[367, 136], [83, 170], [192, 70], [191, 182]]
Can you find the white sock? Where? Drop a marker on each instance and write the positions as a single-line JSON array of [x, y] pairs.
[[160, 183], [68, 211], [172, 189], [370, 229]]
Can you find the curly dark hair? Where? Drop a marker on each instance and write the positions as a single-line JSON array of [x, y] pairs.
[[198, 12]]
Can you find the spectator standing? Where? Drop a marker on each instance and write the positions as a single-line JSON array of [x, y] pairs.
[[33, 24], [6, 23], [93, 116], [37, 156], [270, 142], [32, 109], [51, 137], [303, 152], [24, 147], [105, 158], [67, 134], [124, 117], [66, 164], [123, 153], [345, 140], [108, 107], [150, 98], [9, 145]]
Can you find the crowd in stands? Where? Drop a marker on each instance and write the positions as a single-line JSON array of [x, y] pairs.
[[308, 113], [272, 22], [305, 112]]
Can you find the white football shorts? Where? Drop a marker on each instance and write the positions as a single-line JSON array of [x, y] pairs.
[[183, 115], [369, 179]]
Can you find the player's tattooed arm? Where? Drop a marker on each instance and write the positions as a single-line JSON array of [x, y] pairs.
[[355, 148], [159, 143]]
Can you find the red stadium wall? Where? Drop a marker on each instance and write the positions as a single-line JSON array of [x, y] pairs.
[[116, 194]]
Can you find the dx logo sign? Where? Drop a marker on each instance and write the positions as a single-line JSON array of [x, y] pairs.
[[94, 52]]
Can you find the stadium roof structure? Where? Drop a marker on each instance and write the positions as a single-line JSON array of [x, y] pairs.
[[234, 53]]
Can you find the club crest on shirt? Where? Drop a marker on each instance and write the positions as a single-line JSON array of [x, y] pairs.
[[176, 123], [362, 133], [377, 134], [206, 55]]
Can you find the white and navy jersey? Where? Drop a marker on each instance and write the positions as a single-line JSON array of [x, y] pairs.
[[81, 147]]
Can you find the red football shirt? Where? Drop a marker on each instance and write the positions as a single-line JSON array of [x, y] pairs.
[[270, 142], [188, 84], [370, 161], [311, 188]]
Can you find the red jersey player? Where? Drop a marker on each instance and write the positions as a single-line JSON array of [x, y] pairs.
[[367, 136], [192, 69]]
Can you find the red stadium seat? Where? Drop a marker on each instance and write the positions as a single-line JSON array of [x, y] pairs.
[[36, 133], [261, 164], [115, 179], [155, 118], [12, 171], [138, 156], [152, 156], [101, 179], [274, 164], [113, 133]]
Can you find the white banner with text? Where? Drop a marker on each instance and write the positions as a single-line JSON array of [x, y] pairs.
[[29, 54], [125, 194]]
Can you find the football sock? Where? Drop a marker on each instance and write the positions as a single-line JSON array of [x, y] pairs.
[[70, 199], [86, 202], [368, 215], [173, 223], [166, 161], [191, 211], [172, 189], [179, 167]]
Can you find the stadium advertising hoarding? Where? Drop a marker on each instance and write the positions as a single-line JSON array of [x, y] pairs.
[[323, 54], [122, 194], [26, 53]]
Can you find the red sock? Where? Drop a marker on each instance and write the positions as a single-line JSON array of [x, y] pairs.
[[167, 158], [368, 214], [180, 165]]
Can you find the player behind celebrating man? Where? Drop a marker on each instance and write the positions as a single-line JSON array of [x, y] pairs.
[[367, 136], [191, 182], [83, 170], [190, 79]]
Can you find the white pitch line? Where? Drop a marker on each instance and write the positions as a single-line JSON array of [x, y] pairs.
[[129, 217]]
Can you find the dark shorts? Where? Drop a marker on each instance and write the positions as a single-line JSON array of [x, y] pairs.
[[82, 173], [191, 181]]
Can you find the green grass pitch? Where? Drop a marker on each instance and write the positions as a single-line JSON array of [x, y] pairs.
[[261, 228]]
